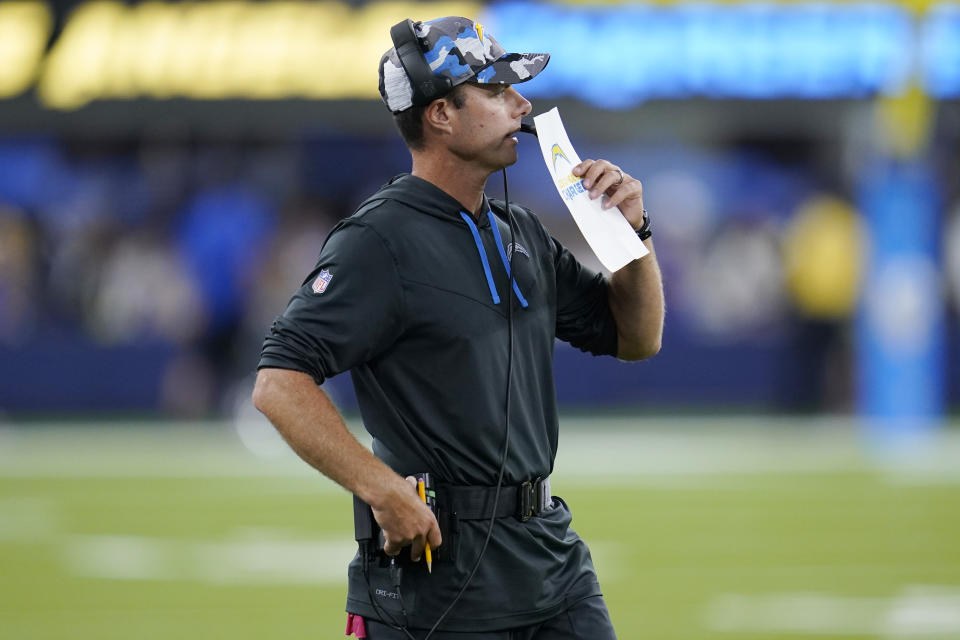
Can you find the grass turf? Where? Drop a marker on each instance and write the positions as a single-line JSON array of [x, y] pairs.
[[182, 533]]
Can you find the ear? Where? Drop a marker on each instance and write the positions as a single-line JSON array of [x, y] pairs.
[[439, 117]]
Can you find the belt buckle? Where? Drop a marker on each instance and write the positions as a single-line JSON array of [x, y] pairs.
[[531, 499], [525, 503]]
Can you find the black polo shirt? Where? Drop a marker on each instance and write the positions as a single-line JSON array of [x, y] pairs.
[[409, 294]]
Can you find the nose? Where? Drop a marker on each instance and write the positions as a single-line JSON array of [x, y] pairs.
[[522, 103]]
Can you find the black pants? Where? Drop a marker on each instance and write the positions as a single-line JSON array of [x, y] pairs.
[[587, 619]]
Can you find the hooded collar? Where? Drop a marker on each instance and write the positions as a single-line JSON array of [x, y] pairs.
[[428, 198]]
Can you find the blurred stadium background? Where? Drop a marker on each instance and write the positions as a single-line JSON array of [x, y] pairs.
[[788, 466]]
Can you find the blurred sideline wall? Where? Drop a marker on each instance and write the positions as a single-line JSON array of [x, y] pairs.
[[168, 173]]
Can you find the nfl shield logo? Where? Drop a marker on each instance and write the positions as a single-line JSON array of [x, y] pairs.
[[320, 284]]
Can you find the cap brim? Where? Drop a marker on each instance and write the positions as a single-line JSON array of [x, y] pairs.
[[513, 68]]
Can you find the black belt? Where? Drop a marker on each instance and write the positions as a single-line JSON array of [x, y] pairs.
[[456, 504], [523, 501]]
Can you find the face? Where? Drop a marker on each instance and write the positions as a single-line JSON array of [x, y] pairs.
[[485, 128]]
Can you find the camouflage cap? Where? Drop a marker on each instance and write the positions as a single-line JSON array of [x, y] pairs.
[[461, 50]]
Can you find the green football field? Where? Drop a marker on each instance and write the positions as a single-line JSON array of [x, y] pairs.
[[720, 528]]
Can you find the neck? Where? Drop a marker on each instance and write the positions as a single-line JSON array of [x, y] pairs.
[[463, 182]]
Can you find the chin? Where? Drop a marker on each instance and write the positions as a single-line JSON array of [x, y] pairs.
[[493, 167]]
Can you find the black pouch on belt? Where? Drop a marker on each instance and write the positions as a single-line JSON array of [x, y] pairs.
[[370, 538]]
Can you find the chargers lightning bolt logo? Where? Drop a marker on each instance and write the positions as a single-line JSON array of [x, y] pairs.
[[557, 152]]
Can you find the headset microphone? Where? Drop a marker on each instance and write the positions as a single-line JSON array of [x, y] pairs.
[[527, 126]]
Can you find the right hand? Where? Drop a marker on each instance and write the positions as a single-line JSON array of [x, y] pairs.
[[406, 520]]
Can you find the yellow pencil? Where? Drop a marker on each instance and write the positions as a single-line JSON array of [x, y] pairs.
[[421, 490]]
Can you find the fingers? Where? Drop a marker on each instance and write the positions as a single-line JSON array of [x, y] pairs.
[[602, 178], [408, 522], [597, 175], [629, 192], [416, 548], [392, 547], [419, 543], [434, 535]]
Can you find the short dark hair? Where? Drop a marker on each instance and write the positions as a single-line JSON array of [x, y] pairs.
[[410, 121]]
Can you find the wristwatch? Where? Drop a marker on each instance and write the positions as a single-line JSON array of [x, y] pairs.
[[644, 231]]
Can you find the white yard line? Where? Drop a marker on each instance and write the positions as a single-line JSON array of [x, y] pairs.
[[920, 611], [593, 451], [245, 560]]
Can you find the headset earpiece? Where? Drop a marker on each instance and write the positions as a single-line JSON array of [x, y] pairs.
[[427, 86]]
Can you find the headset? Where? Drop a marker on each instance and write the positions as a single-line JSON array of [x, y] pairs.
[[427, 87]]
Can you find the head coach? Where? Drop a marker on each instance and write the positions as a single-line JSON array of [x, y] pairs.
[[444, 305]]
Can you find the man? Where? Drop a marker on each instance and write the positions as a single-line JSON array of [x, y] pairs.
[[411, 294]]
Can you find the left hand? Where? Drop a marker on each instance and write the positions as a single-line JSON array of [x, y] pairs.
[[602, 178]]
